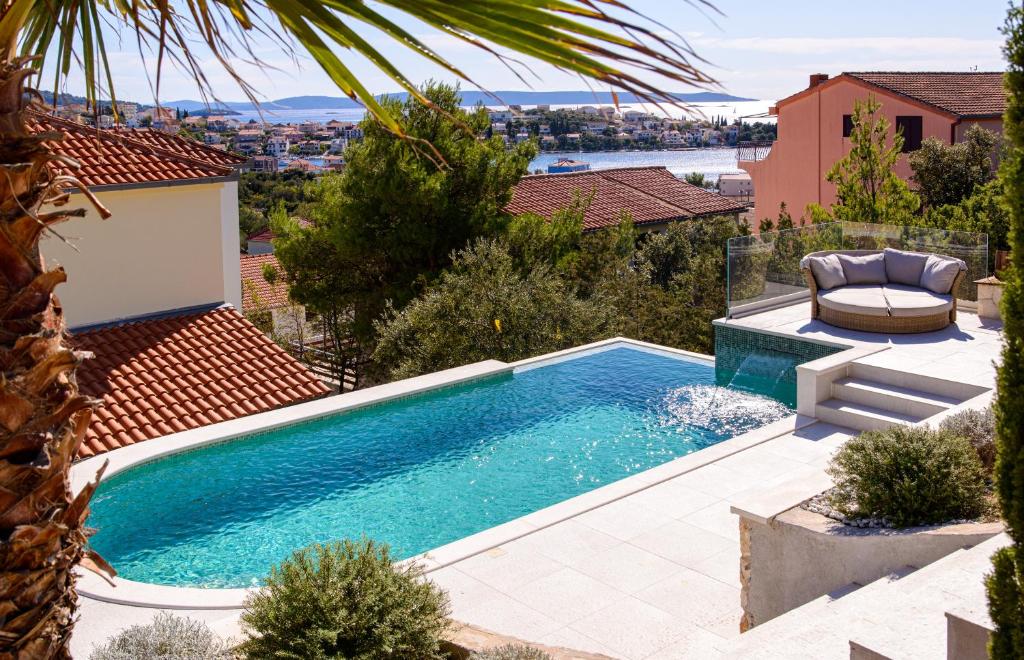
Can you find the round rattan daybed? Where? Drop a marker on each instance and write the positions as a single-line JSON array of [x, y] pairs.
[[888, 291]]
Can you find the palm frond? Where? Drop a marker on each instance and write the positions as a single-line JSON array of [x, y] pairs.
[[604, 41]]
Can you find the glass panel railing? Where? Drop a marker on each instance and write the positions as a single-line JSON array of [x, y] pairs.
[[764, 269]]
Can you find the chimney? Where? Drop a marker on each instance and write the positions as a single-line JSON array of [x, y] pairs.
[[817, 79]]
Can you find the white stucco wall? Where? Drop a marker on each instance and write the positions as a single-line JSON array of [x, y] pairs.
[[164, 248]]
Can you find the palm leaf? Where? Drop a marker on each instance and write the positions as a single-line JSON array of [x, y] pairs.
[[600, 40]]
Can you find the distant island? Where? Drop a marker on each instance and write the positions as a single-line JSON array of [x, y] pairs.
[[469, 97]]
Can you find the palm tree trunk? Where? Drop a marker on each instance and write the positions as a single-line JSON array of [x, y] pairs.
[[43, 416]]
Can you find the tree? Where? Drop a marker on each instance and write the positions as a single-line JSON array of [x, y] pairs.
[[948, 174], [696, 179], [402, 214], [1006, 583], [487, 307], [42, 415], [867, 187]]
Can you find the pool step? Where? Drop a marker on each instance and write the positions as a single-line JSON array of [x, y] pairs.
[[893, 398], [934, 386], [862, 417]]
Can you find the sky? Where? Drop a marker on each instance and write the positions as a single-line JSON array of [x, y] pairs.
[[763, 50]]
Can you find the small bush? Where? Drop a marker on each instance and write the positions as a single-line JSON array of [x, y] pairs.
[[909, 476], [345, 600], [168, 637], [978, 426], [511, 652]]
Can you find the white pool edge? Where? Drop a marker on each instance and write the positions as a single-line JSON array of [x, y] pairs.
[[140, 594]]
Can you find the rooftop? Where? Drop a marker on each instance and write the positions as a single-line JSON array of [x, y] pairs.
[[650, 195], [268, 295], [116, 158], [184, 146], [977, 94], [165, 375]]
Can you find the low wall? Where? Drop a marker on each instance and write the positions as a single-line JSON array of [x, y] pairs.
[[800, 555]]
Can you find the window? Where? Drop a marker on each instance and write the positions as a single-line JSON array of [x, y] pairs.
[[910, 126], [847, 125]]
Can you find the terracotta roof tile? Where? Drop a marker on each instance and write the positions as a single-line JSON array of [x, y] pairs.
[[108, 158], [964, 93], [649, 194], [186, 146], [270, 296], [153, 381]]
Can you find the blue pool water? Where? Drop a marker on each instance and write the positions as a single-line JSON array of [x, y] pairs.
[[418, 472]]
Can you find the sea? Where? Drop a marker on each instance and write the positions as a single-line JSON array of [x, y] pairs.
[[711, 162]]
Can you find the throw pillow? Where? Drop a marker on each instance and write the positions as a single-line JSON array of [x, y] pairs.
[[827, 271], [939, 273], [864, 269], [904, 267]]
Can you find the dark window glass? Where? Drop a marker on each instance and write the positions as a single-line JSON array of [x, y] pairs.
[[847, 125], [911, 129]]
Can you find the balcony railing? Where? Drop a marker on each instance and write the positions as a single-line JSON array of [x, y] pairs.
[[753, 150]]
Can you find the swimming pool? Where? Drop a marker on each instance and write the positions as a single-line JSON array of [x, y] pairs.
[[417, 472]]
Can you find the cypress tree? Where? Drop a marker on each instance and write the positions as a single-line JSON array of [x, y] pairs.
[[1006, 583]]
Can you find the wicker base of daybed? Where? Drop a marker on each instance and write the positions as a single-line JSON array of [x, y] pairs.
[[886, 324]]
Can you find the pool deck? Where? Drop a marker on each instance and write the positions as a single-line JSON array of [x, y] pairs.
[[649, 569]]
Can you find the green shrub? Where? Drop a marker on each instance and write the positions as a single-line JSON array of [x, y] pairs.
[[511, 652], [168, 637], [345, 600], [909, 476], [978, 426]]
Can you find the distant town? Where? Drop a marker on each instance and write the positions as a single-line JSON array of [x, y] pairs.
[[318, 146]]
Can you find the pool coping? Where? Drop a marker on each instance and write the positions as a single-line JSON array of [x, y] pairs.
[[129, 592]]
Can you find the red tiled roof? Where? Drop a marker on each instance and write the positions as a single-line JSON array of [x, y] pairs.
[[269, 295], [267, 235], [110, 158], [964, 93], [162, 376], [184, 146], [649, 194]]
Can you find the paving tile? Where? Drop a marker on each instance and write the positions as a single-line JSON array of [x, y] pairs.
[[466, 593], [567, 595], [682, 543], [715, 480], [632, 628], [694, 644], [673, 499], [724, 566], [567, 541], [507, 616], [627, 568], [692, 597], [567, 638], [509, 566], [623, 519], [717, 518], [757, 462]]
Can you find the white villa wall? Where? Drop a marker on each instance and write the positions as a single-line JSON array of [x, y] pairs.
[[164, 248]]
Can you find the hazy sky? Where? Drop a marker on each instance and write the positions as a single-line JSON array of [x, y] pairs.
[[757, 49]]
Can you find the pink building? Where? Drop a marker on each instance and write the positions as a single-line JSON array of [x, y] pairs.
[[814, 127]]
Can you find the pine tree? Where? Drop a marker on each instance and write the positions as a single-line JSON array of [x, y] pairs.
[[1006, 584]]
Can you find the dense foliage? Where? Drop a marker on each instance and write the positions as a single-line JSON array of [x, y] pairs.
[[979, 427], [511, 652], [345, 600], [908, 476], [260, 194], [389, 223], [1006, 584], [950, 173], [168, 637]]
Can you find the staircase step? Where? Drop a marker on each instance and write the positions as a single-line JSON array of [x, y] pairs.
[[861, 417], [894, 398], [938, 386]]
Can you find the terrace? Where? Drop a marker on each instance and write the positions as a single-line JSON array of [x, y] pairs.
[[657, 564]]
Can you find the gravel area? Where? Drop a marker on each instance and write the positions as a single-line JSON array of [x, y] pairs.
[[820, 504]]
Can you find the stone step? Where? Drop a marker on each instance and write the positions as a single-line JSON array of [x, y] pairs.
[[861, 417], [930, 384], [894, 398]]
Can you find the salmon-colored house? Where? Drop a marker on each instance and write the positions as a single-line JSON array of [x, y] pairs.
[[814, 127]]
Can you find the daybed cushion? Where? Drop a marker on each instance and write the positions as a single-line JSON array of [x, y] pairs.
[[864, 269], [904, 267], [866, 299], [828, 271], [939, 273], [914, 301]]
